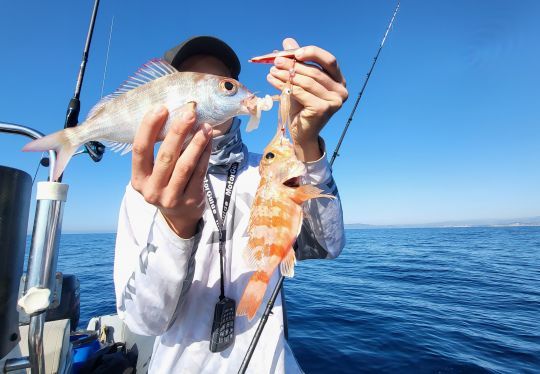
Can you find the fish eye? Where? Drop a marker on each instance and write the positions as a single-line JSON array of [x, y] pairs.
[[228, 87], [269, 156]]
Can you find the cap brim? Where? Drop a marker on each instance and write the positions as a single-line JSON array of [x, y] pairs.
[[204, 45]]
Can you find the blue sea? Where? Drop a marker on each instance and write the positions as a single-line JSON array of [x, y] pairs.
[[444, 300]]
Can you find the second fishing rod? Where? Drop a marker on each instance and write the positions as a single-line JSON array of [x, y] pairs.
[[94, 149]]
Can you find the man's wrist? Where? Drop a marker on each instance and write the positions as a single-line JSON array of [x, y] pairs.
[[184, 228], [309, 150]]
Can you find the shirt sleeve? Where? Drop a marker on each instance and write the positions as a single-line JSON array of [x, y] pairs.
[[322, 234], [153, 267]]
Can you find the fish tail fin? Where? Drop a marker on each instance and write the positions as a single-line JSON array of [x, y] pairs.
[[253, 295], [62, 142], [308, 191]]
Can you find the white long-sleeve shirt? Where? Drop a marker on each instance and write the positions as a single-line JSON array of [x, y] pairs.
[[167, 286]]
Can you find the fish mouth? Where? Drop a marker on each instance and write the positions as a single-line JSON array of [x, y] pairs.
[[293, 182], [295, 175]]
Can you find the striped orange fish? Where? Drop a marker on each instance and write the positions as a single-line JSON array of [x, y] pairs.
[[276, 215]]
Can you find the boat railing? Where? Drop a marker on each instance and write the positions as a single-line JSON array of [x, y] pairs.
[[13, 128]]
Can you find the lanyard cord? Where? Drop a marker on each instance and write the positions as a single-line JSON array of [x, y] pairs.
[[220, 221]]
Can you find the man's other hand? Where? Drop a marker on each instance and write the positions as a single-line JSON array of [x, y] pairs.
[[318, 90]]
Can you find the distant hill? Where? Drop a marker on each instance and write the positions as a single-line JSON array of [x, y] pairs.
[[514, 222]]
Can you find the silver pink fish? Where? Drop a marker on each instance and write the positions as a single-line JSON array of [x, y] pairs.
[[115, 119]]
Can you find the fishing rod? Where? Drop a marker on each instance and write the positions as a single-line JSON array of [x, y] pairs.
[[335, 154], [94, 149], [279, 284]]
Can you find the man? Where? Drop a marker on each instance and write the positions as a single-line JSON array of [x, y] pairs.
[[167, 262]]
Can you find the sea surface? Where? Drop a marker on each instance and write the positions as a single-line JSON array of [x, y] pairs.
[[444, 300]]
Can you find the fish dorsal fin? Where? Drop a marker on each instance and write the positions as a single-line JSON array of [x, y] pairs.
[[96, 109], [153, 69], [287, 264]]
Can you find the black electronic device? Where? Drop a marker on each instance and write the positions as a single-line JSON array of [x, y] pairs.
[[222, 336]]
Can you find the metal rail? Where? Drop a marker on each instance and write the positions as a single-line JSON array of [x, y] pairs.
[[13, 128]]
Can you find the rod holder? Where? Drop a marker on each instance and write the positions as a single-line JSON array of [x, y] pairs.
[[41, 274]]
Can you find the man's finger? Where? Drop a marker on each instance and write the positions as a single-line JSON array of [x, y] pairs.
[[172, 144], [290, 43], [189, 159], [143, 144], [322, 57], [312, 71], [309, 101], [307, 83], [194, 186]]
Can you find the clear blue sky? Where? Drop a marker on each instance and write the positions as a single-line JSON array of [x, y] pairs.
[[449, 127]]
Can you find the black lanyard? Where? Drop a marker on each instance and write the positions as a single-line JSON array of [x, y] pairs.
[[220, 221]]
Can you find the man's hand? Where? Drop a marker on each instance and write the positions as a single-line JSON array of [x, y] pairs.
[[317, 92], [174, 181]]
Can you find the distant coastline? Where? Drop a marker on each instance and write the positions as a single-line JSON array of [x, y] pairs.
[[515, 222]]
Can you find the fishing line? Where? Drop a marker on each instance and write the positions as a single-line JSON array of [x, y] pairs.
[[37, 169], [275, 292], [35, 174], [107, 57]]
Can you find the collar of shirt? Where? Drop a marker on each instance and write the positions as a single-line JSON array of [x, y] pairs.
[[227, 149]]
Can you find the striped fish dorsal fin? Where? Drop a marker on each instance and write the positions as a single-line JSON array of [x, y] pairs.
[[153, 69]]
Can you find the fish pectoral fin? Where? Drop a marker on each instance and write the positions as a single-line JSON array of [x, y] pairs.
[[287, 264], [308, 191]]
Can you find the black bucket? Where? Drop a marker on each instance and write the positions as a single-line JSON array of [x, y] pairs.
[[15, 194]]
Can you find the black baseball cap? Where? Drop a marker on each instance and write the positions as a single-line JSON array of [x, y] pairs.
[[204, 45]]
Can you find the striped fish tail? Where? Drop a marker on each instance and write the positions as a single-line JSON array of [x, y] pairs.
[[253, 294]]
